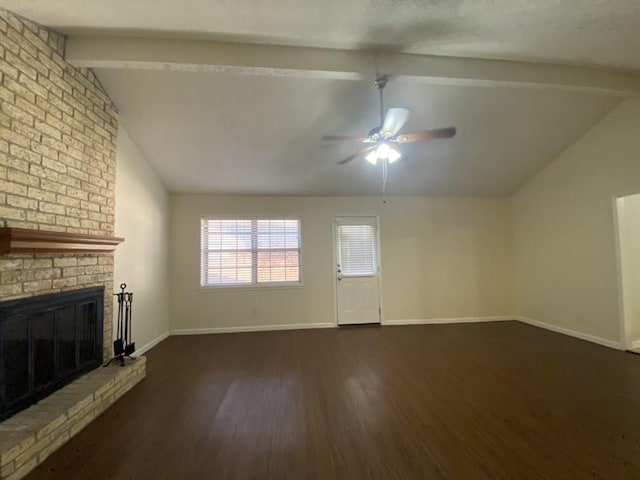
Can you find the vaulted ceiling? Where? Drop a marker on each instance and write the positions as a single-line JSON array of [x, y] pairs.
[[252, 134], [215, 118]]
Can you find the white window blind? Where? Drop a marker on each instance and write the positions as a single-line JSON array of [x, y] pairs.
[[357, 249], [249, 252]]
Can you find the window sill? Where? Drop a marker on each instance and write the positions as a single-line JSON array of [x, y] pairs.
[[243, 288]]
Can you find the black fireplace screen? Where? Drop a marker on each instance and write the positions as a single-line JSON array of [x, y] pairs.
[[46, 342]]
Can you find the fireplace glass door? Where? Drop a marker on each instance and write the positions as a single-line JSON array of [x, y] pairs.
[[45, 343]]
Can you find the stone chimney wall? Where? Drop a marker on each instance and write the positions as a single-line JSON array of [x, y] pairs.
[[58, 132]]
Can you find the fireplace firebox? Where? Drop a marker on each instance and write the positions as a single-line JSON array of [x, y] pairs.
[[46, 342]]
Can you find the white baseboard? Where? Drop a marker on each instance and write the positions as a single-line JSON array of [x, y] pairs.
[[572, 333], [428, 321], [436, 321], [635, 345], [142, 350], [252, 328]]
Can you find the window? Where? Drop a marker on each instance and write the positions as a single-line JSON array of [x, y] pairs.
[[249, 252], [357, 250]]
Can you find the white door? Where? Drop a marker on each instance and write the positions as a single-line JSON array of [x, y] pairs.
[[357, 270]]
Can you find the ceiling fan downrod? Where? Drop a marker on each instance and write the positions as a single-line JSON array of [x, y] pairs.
[[380, 82]]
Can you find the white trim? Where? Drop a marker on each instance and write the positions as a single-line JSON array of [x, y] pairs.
[[426, 321], [618, 235], [334, 256], [251, 328], [144, 349], [435, 321], [619, 240], [379, 254], [572, 333]]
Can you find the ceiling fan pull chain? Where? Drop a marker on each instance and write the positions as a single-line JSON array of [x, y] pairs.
[[384, 181]]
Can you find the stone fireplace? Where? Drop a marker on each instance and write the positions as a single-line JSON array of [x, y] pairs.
[[58, 131]]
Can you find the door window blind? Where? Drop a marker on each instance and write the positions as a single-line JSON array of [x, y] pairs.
[[250, 252], [357, 249]]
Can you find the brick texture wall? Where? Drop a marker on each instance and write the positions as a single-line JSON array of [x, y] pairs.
[[57, 162]]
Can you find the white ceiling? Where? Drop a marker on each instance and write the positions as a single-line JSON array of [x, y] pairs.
[[602, 32], [237, 134]]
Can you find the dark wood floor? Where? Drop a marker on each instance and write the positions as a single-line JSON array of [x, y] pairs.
[[476, 401]]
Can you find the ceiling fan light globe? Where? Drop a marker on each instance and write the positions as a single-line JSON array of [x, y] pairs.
[[383, 151], [394, 155], [372, 157]]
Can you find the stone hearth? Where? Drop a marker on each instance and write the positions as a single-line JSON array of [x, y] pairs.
[[28, 438]]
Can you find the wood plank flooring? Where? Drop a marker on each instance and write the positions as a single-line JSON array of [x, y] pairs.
[[477, 401]]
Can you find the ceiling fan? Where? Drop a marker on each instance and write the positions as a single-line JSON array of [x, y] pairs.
[[381, 141]]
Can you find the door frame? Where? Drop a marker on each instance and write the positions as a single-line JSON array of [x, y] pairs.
[[335, 263], [618, 225], [618, 203]]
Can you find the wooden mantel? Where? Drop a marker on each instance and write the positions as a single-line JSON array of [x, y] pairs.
[[20, 240]]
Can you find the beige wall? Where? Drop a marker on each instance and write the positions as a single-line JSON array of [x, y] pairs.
[[629, 224], [142, 261], [441, 258], [565, 252]]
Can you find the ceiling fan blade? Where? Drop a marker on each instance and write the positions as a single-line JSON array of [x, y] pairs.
[[353, 156], [395, 120], [344, 137], [427, 135]]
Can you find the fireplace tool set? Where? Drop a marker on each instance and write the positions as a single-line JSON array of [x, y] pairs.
[[122, 345]]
